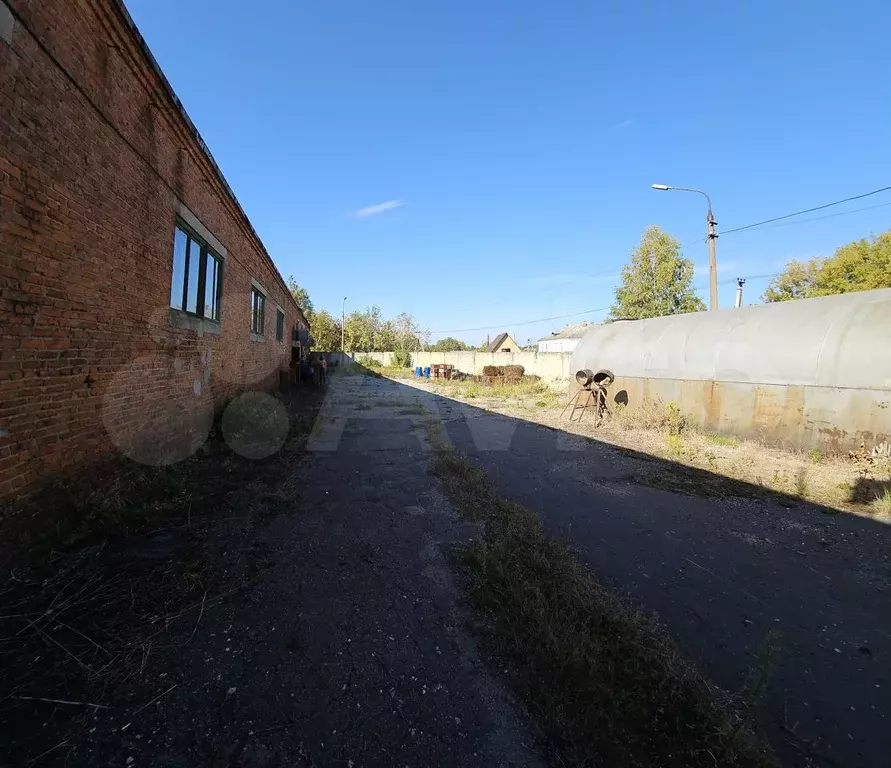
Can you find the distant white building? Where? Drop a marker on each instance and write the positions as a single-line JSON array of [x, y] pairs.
[[565, 340]]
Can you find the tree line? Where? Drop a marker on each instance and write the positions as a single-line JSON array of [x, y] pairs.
[[859, 266], [658, 280], [368, 331], [363, 330]]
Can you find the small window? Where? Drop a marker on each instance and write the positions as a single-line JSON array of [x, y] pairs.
[[258, 311], [505, 349], [279, 326], [197, 276]]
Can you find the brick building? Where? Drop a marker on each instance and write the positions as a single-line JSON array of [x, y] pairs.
[[135, 296]]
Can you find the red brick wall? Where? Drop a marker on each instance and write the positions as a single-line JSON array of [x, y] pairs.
[[94, 153]]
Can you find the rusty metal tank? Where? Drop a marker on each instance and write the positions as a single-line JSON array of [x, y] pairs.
[[809, 373]]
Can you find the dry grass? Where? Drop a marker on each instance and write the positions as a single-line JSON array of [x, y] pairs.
[[104, 565], [352, 369], [605, 681], [392, 372], [751, 468], [518, 391], [650, 414], [699, 463], [728, 441], [882, 503]]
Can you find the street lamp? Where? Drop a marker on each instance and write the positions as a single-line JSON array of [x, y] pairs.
[[342, 326], [712, 236]]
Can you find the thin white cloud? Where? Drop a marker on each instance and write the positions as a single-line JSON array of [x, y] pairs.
[[624, 124], [374, 210]]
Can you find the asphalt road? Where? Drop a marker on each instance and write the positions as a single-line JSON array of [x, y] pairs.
[[728, 577], [345, 644]]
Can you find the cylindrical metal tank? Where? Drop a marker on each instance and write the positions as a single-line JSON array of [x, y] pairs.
[[810, 373]]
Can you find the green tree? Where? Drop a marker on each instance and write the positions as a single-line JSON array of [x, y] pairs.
[[325, 331], [657, 281], [796, 282], [363, 331], [449, 344], [359, 331], [385, 337], [859, 266], [409, 335], [301, 296]]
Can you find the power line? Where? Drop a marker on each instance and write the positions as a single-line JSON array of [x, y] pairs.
[[548, 284], [806, 210], [751, 227], [827, 216], [755, 277], [726, 232], [523, 322], [577, 314], [727, 281], [585, 312]]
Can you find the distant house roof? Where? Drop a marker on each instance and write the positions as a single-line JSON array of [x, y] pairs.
[[497, 342], [571, 331]]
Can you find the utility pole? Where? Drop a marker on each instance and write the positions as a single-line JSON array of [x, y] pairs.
[[740, 282], [712, 236], [712, 260], [342, 326]]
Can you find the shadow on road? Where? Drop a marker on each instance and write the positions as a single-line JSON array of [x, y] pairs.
[[323, 578], [726, 569]]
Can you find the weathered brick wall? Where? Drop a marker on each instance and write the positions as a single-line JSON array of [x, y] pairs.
[[94, 154]]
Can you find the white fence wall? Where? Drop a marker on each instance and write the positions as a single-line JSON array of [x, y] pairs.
[[551, 366]]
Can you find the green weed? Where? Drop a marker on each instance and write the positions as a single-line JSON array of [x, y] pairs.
[[728, 441], [606, 681], [882, 503]]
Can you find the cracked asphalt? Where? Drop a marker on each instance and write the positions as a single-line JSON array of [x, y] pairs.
[[348, 647]]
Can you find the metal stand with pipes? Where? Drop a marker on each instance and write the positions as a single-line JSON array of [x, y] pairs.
[[591, 395]]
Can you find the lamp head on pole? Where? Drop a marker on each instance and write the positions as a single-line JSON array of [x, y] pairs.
[[661, 187]]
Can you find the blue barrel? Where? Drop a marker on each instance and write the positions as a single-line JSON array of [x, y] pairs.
[[427, 372], [418, 372]]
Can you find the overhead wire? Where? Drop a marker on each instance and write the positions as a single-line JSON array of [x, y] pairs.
[[745, 228], [806, 210], [703, 286], [819, 218], [522, 322], [751, 227], [583, 312]]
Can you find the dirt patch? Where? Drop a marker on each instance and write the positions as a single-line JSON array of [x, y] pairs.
[[101, 569], [697, 463]]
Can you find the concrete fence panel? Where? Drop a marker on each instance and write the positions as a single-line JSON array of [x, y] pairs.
[[814, 373], [550, 366]]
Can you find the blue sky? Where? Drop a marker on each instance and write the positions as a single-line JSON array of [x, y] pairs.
[[502, 152]]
